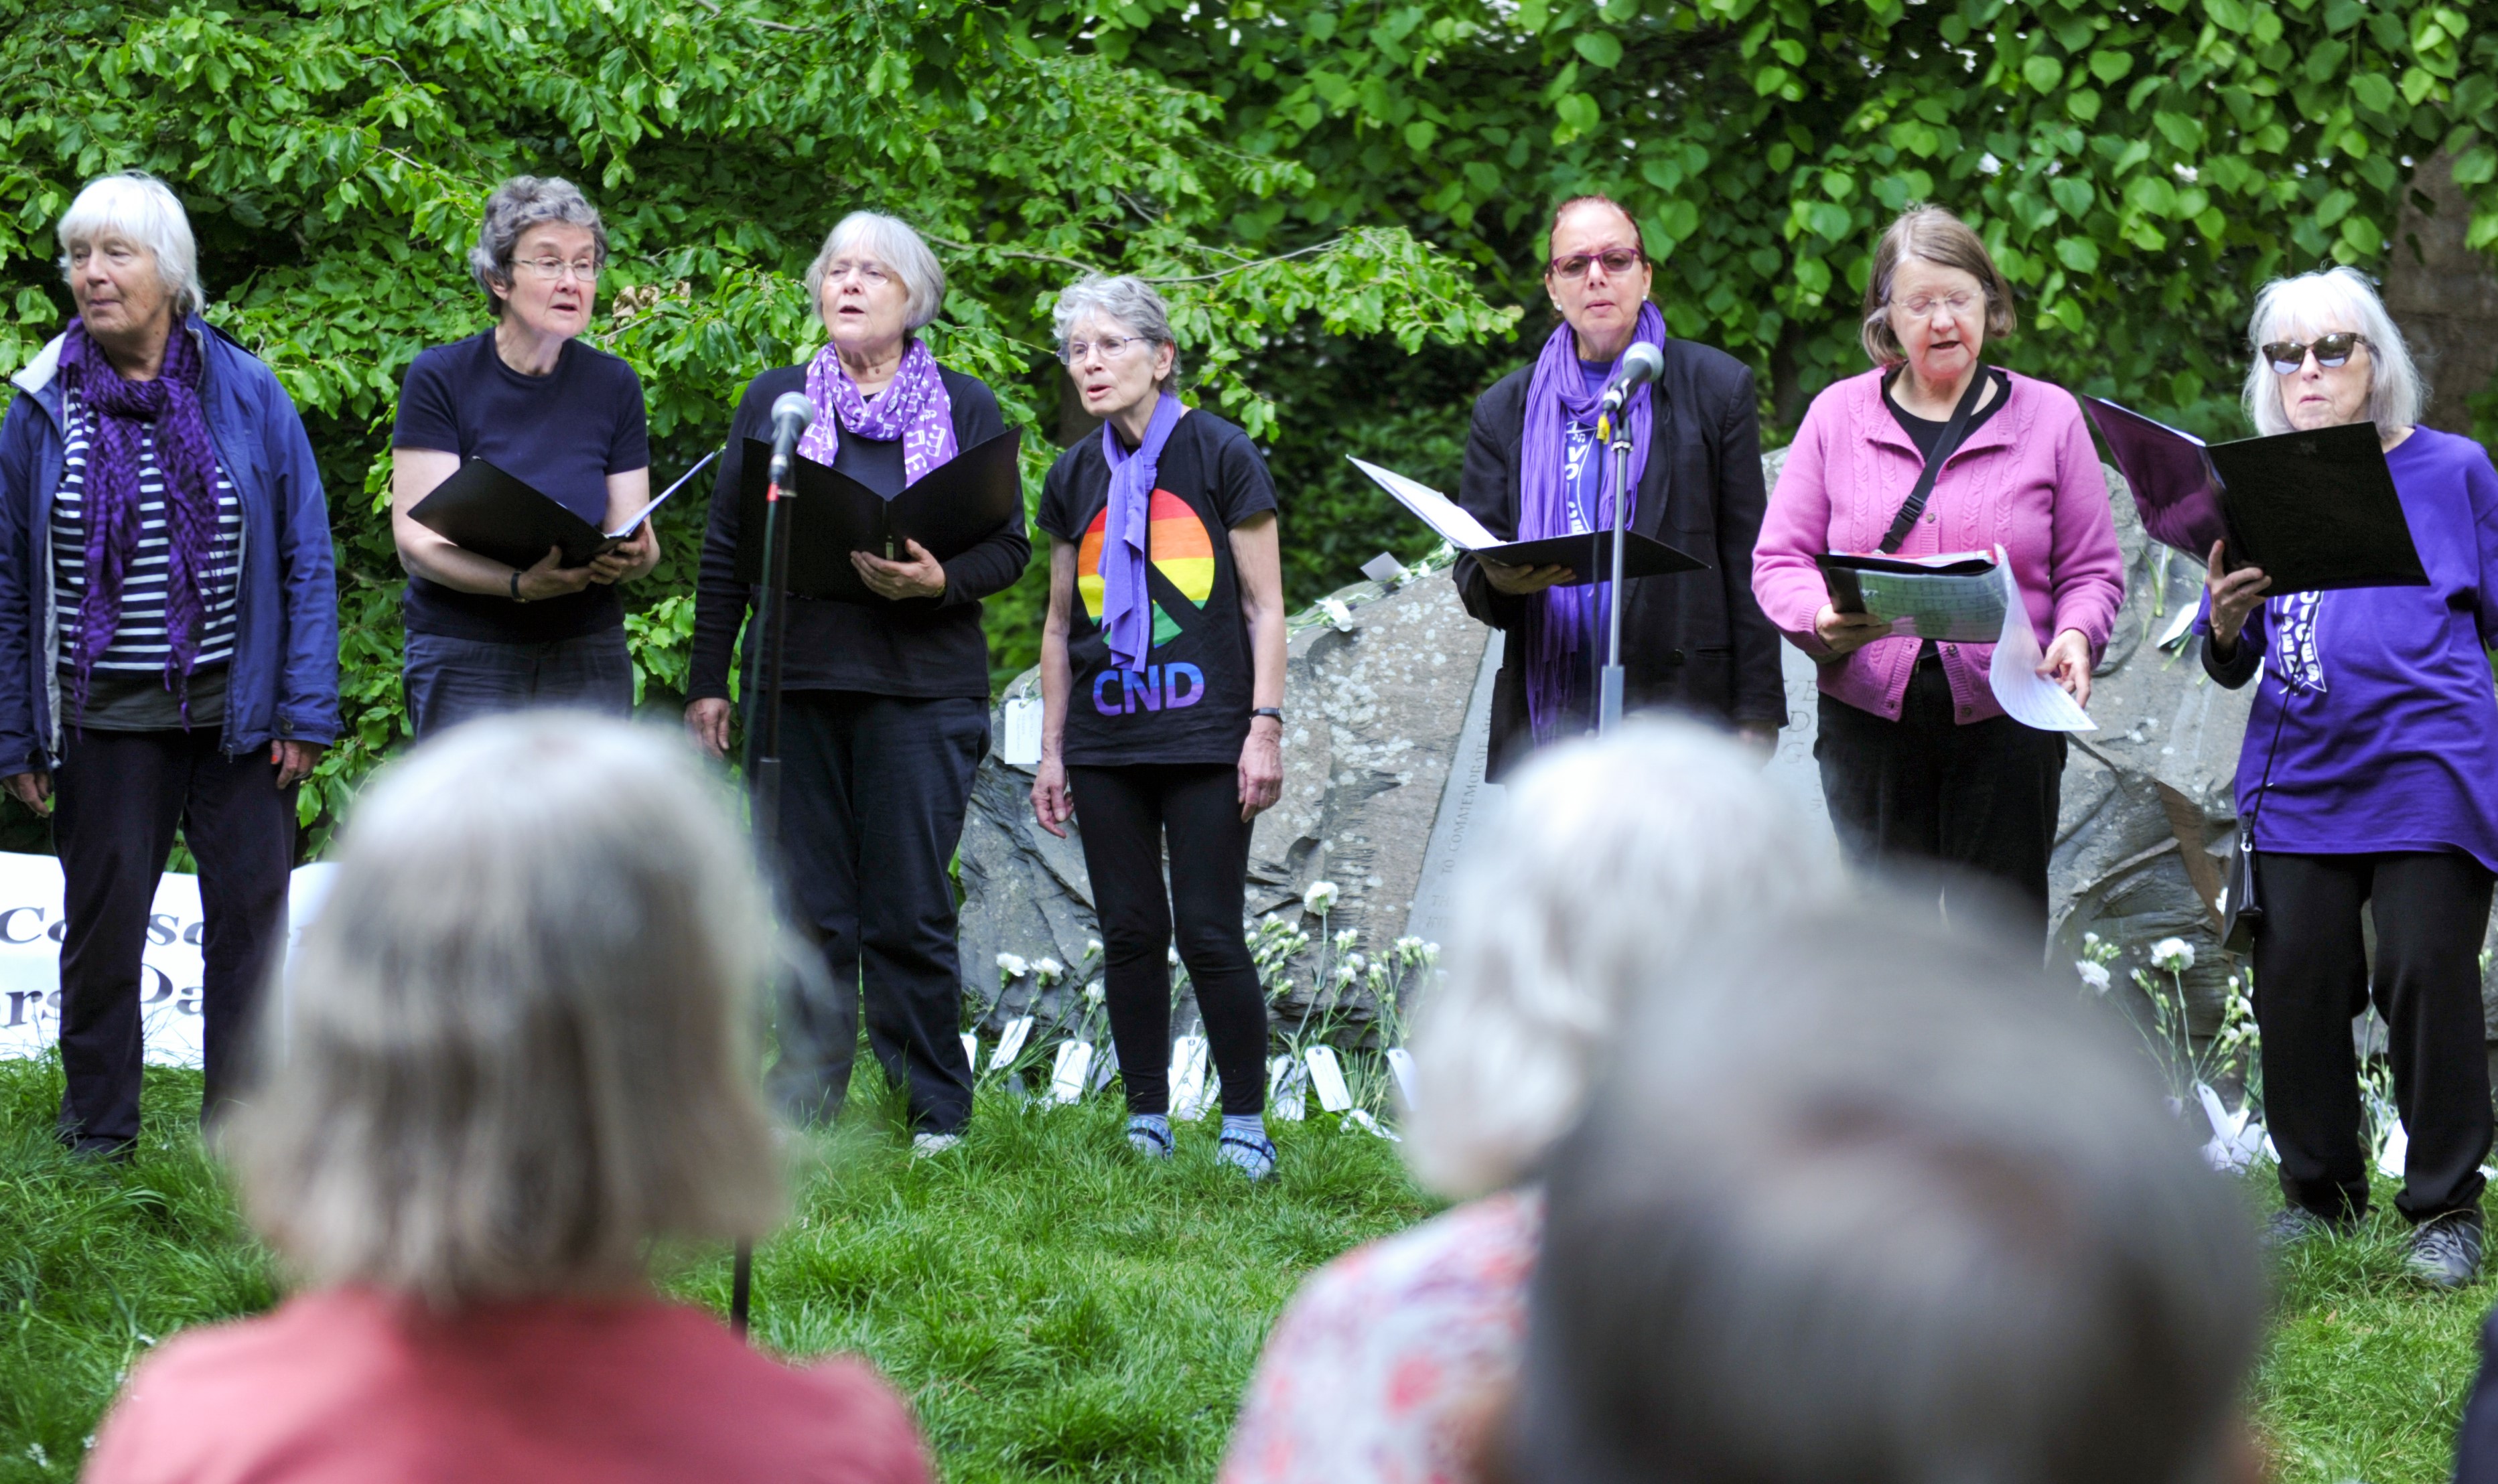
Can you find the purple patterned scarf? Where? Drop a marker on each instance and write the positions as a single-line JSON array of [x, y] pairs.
[[108, 503], [1127, 608], [1557, 618], [913, 407]]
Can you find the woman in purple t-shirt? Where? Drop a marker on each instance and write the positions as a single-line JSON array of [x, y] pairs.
[[2370, 779]]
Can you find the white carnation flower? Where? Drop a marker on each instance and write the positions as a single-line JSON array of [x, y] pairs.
[[1319, 896], [2175, 954], [1094, 992], [1013, 966], [2096, 975], [1048, 969]]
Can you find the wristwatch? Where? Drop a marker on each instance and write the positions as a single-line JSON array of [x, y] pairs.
[[516, 586], [1275, 711]]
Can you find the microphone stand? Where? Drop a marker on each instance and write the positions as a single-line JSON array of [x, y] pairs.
[[762, 761], [1608, 705]]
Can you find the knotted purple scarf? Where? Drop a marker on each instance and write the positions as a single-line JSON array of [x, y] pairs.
[[1127, 608], [1557, 618], [115, 410], [912, 407]]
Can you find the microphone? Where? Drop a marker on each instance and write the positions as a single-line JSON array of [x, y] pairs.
[[791, 412], [1640, 364]]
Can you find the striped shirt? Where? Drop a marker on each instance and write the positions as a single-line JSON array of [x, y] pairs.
[[139, 643]]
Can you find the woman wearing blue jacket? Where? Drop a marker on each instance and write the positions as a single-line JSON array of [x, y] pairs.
[[168, 637]]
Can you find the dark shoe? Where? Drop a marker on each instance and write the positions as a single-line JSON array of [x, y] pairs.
[[2445, 1251], [2295, 1226]]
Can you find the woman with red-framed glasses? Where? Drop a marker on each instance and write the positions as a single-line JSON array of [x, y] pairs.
[[2369, 778], [1694, 642]]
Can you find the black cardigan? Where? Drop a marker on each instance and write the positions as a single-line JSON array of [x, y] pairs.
[[919, 647], [1696, 640]]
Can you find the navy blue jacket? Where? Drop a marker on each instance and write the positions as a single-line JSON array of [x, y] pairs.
[[283, 681]]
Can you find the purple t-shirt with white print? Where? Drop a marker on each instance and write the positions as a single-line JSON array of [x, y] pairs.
[[2390, 735]]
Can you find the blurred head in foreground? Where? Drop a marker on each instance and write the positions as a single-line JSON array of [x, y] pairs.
[[1609, 857], [1878, 1205], [518, 1042]]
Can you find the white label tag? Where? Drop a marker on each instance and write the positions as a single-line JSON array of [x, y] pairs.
[[972, 1051], [1362, 1120], [1188, 1077], [1020, 747], [2398, 1145], [1287, 1089], [1011, 1043], [1067, 1077], [1383, 568], [1401, 1061], [1327, 1079]]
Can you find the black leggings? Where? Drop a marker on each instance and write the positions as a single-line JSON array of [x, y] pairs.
[[1123, 816], [2312, 977]]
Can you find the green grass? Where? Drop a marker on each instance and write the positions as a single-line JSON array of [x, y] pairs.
[[1053, 1308]]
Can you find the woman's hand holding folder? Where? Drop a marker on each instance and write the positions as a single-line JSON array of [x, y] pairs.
[[2234, 596]]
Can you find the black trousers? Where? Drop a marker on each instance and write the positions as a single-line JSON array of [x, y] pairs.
[[1924, 791], [872, 796], [1125, 814], [2431, 908], [119, 798]]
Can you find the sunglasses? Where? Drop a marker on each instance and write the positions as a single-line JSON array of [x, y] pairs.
[[2331, 351], [1617, 260]]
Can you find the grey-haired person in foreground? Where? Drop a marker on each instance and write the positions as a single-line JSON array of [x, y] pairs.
[[1870, 1202], [518, 1058]]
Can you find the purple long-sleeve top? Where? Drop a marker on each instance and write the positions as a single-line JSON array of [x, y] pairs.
[[2382, 697]]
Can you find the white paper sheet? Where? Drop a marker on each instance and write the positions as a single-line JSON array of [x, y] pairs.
[[1287, 1089], [972, 1051], [1327, 1079], [1067, 1075], [1011, 1043], [2398, 1150], [1948, 607], [2027, 696], [1401, 1061], [1438, 511]]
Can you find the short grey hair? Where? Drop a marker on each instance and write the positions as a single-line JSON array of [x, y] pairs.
[[1125, 300], [2302, 307], [518, 205], [889, 241], [140, 208], [519, 1040], [1865, 1202], [1608, 856]]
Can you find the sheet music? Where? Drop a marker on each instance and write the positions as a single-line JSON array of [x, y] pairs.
[[1438, 511], [1933, 604], [2028, 697]]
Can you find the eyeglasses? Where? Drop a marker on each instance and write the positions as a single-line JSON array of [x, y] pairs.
[[1925, 304], [1617, 260], [1111, 349], [2287, 356], [870, 271], [553, 270]]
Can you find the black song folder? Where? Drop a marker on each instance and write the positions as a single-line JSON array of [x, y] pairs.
[[484, 510], [2315, 510], [1591, 557], [960, 504]]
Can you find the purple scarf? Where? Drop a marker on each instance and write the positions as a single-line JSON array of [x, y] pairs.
[[109, 502], [913, 407], [1557, 618], [1127, 608]]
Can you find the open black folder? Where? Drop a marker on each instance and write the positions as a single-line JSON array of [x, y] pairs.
[[1590, 557], [960, 504], [483, 509], [2315, 510]]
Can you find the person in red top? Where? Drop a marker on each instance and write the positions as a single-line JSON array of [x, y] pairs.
[[516, 1052]]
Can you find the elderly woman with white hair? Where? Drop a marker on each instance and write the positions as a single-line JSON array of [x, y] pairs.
[[168, 637], [1396, 1360], [562, 416], [518, 1058], [2369, 783], [886, 704], [1162, 684]]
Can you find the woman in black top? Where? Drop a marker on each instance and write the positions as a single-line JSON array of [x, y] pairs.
[[886, 707], [562, 417], [1161, 699]]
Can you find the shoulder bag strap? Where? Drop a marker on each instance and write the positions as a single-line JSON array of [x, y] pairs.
[[1944, 447]]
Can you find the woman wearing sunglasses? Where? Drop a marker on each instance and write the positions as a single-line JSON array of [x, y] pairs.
[[1694, 641], [1919, 763], [2370, 775]]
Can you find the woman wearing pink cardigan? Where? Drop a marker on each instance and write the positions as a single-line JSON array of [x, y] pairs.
[[1918, 760]]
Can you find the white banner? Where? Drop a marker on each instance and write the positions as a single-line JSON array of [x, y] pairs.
[[169, 978]]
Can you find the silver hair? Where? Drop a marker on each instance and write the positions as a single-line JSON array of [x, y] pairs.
[[518, 205], [518, 1041], [1863, 1201], [2302, 307], [890, 241], [1608, 856], [136, 206], [1125, 300]]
